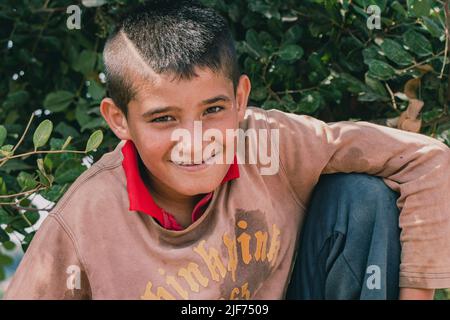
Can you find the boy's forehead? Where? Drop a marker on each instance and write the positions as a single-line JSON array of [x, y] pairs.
[[172, 87]]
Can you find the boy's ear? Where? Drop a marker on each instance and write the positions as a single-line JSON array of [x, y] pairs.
[[115, 119], [242, 94]]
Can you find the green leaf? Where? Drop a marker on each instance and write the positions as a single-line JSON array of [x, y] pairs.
[[5, 260], [376, 86], [4, 216], [66, 130], [380, 70], [81, 113], [399, 9], [369, 97], [271, 104], [66, 143], [15, 165], [94, 123], [42, 133], [94, 141], [310, 102], [433, 28], [293, 35], [44, 178], [396, 53], [96, 90], [3, 235], [16, 99], [3, 134], [318, 71], [85, 62], [269, 11], [93, 3], [259, 93], [431, 115], [27, 240], [253, 44], [69, 171], [55, 192], [289, 104], [419, 8], [9, 245], [40, 164], [58, 101], [291, 52], [372, 52], [26, 181], [379, 3], [353, 84], [20, 222], [6, 150], [417, 43]]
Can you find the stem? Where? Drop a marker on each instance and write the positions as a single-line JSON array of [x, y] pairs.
[[447, 25], [422, 63], [298, 91], [47, 19], [394, 104], [39, 152], [26, 208], [441, 119], [24, 133], [22, 193], [24, 217]]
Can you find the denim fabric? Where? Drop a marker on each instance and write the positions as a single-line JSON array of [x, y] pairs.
[[350, 243]]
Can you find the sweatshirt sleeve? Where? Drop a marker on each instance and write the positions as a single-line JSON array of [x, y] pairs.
[[414, 165], [50, 268]]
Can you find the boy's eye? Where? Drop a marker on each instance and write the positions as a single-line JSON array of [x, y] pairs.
[[163, 119], [214, 109]]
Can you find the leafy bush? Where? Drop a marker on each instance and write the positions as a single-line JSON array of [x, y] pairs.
[[315, 57]]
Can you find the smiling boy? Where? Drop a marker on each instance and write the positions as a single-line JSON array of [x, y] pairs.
[[140, 224]]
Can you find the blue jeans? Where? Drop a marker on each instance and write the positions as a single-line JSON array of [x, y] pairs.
[[350, 243]]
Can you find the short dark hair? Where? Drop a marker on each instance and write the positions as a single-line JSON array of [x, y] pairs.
[[171, 37]]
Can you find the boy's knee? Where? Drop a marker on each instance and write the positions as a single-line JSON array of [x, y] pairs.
[[358, 186], [366, 198]]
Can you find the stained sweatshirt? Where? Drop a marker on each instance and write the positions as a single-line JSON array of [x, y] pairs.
[[92, 246]]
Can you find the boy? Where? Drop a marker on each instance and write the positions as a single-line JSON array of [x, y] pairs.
[[160, 218]]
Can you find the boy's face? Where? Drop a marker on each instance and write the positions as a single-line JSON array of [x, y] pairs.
[[168, 105]]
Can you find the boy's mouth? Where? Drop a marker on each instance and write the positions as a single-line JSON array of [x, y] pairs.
[[192, 165]]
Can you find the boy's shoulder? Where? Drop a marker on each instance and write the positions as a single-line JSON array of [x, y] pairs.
[[96, 188], [259, 118]]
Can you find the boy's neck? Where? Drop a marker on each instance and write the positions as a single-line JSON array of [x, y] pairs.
[[180, 206]]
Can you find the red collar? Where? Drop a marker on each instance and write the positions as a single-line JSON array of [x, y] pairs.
[[141, 199]]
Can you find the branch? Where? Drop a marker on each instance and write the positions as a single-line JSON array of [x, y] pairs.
[[24, 133], [22, 193], [39, 152], [422, 62], [394, 104], [447, 26], [297, 91]]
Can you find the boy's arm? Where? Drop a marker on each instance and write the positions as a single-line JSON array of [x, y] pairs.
[[50, 269], [416, 166], [416, 294]]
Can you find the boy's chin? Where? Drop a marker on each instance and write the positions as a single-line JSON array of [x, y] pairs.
[[189, 186], [191, 183], [193, 189]]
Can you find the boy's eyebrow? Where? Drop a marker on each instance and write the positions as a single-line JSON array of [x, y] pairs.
[[216, 99], [158, 110], [170, 108]]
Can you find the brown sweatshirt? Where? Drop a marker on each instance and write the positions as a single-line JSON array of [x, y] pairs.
[[91, 246]]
